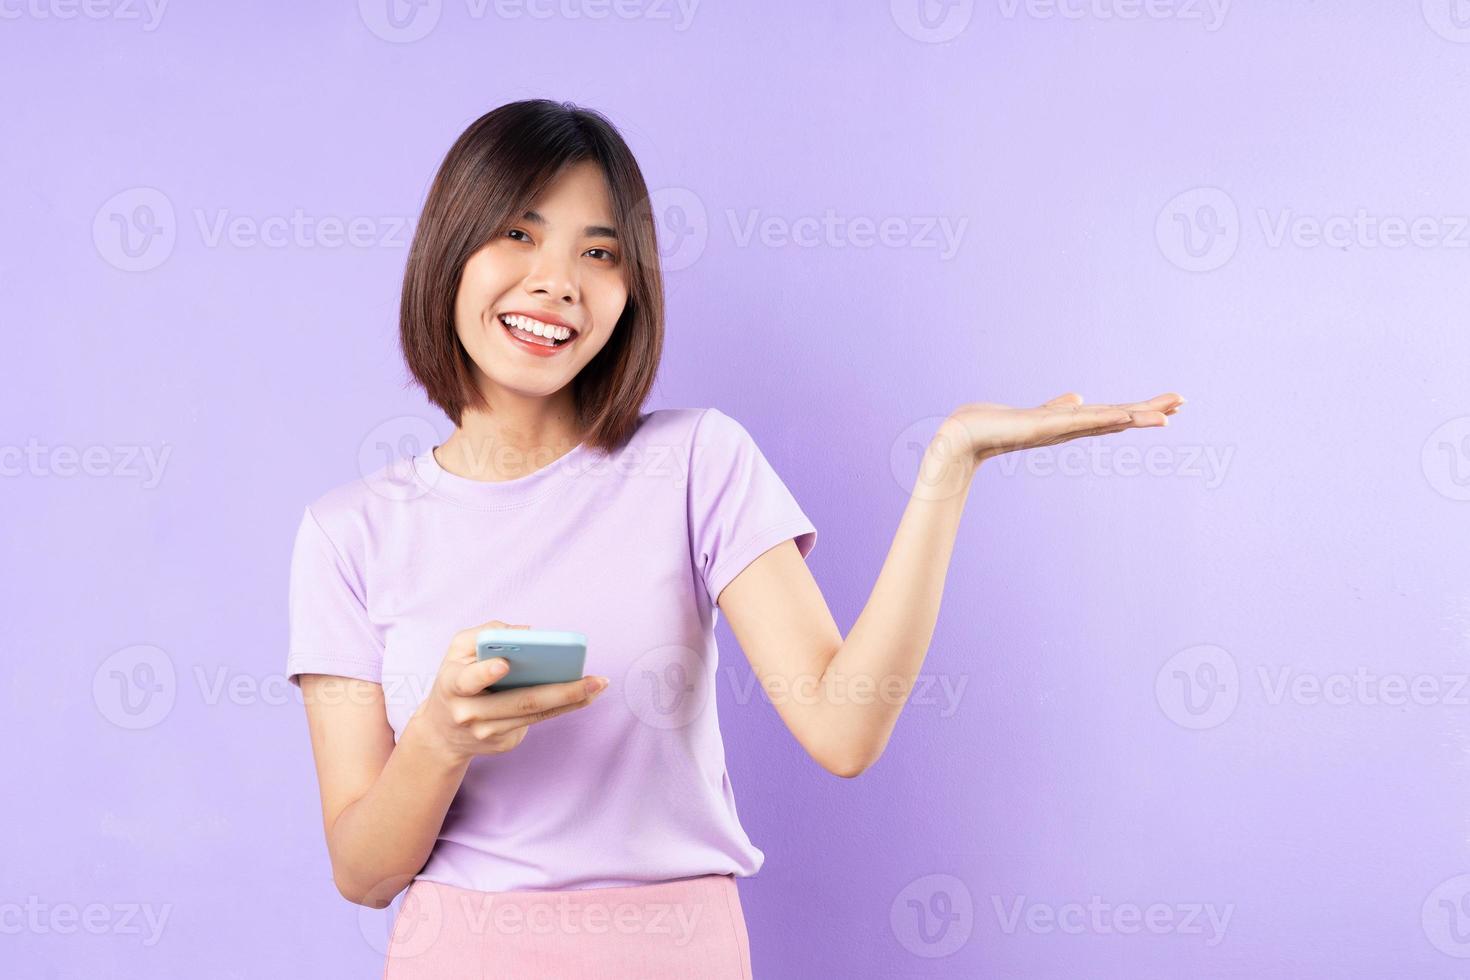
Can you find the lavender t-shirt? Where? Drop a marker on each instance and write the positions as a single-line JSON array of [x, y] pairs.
[[631, 548]]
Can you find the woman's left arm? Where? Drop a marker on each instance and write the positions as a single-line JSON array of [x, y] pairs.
[[840, 697]]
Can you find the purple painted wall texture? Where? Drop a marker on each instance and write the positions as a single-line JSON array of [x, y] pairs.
[[1196, 705]]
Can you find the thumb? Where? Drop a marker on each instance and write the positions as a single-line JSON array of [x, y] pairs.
[[475, 677]]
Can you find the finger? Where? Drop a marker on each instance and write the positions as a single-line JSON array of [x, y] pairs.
[[1070, 398], [477, 676], [1082, 433], [511, 724], [463, 645], [1139, 420], [1147, 420], [1157, 403], [1080, 418], [534, 699]]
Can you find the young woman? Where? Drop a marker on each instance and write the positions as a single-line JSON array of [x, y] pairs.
[[606, 843]]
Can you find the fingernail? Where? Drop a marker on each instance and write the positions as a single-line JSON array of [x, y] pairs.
[[595, 684], [500, 663]]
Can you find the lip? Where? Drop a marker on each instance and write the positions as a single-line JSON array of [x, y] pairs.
[[536, 350], [550, 318]]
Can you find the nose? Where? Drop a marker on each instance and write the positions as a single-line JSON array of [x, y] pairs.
[[553, 279]]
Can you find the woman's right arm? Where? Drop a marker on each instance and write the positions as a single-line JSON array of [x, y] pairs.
[[383, 804]]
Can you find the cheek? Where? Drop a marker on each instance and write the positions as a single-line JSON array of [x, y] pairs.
[[611, 303], [486, 272], [466, 313]]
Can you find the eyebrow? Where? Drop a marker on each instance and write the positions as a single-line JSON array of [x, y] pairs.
[[591, 231]]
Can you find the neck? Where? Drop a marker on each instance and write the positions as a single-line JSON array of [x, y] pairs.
[[514, 438]]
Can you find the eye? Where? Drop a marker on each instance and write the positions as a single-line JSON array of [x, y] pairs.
[[517, 231], [610, 256]]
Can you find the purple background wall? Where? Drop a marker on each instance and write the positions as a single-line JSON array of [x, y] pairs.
[[1205, 682]]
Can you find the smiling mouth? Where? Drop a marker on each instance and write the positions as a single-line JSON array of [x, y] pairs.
[[525, 329]]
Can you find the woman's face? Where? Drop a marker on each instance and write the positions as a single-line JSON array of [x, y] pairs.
[[561, 264]]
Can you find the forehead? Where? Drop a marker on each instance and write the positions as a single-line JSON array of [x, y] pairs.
[[582, 190]]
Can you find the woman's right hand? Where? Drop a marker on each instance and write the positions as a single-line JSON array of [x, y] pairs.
[[464, 721]]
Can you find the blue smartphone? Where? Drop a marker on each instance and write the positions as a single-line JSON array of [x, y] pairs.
[[535, 656]]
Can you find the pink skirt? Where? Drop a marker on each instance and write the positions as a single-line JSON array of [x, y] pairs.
[[691, 927]]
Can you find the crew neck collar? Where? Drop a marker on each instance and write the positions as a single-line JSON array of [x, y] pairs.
[[498, 494]]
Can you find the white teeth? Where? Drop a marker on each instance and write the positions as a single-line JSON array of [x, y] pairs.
[[536, 327]]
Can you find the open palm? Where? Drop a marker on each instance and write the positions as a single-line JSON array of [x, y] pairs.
[[981, 430]]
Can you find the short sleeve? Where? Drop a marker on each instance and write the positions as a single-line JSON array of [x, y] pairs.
[[738, 506], [331, 632]]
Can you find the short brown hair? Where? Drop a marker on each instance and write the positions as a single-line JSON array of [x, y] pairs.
[[491, 175]]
